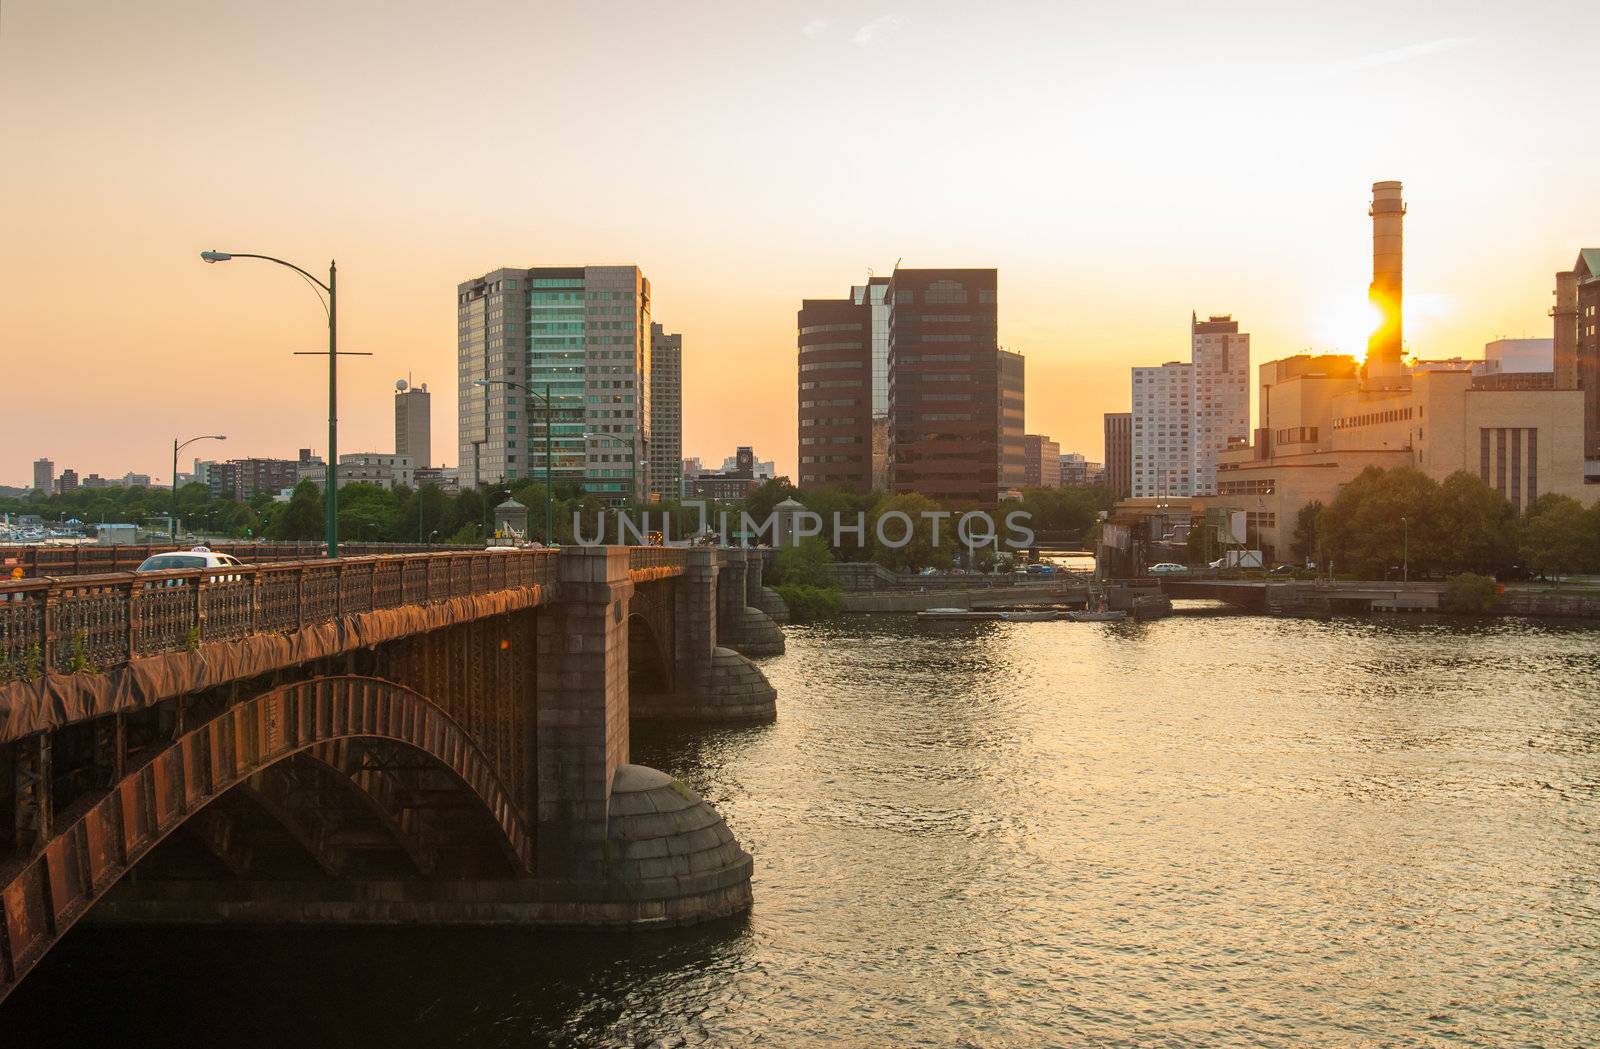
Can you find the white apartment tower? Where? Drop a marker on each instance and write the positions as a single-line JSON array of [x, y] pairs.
[[1221, 356], [1163, 430], [1185, 414], [583, 334]]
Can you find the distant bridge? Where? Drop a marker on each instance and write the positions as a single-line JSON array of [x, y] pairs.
[[1307, 596], [436, 737]]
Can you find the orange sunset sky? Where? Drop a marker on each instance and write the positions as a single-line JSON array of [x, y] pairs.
[[1122, 165]]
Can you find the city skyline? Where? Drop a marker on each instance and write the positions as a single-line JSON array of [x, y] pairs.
[[1076, 220]]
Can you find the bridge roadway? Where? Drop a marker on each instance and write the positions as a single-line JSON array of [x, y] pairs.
[[1307, 596], [412, 738]]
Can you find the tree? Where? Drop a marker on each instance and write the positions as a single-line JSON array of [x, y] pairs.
[[302, 518], [1384, 518], [1305, 543], [805, 563], [759, 503], [1556, 537], [1479, 526], [919, 551]]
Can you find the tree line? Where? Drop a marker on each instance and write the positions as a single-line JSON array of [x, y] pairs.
[[1385, 519]]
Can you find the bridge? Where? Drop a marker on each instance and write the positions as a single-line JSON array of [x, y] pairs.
[[1307, 596], [412, 738]]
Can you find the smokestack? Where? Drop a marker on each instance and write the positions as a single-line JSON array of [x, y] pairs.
[[1566, 333], [1388, 253]]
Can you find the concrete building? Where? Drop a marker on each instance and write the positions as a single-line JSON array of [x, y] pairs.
[[737, 479], [67, 482], [836, 392], [1041, 462], [1324, 419], [1220, 354], [242, 479], [1576, 348], [1163, 431], [1076, 469], [1119, 453], [1505, 356], [44, 475], [584, 331], [413, 422], [874, 295], [1013, 452], [944, 385], [443, 478], [666, 413], [379, 468]]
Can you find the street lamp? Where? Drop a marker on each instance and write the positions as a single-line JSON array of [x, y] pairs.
[[1405, 550], [549, 416], [626, 444], [331, 308], [176, 445]]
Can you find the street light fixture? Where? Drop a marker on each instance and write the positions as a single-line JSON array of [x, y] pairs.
[[176, 445], [549, 417], [1405, 550], [331, 307]]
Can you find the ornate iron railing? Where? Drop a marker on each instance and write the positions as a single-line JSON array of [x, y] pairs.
[[88, 623]]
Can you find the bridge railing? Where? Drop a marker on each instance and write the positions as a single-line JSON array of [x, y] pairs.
[[87, 559], [63, 625], [657, 557]]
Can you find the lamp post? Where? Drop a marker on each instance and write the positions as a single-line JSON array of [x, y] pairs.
[[331, 307], [1405, 550], [176, 445], [549, 418], [632, 477]]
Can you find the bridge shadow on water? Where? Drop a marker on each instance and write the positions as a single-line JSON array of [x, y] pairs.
[[397, 987]]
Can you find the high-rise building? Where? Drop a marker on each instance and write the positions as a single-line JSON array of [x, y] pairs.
[[44, 475], [243, 479], [583, 331], [1577, 346], [413, 422], [945, 385], [875, 296], [67, 482], [666, 413], [1163, 430], [1220, 353], [1119, 453], [1013, 453], [1041, 462], [835, 368]]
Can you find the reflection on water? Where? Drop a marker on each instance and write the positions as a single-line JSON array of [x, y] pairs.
[[1200, 831]]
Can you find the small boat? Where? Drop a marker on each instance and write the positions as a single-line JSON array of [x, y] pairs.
[[1030, 616], [1103, 616], [955, 613]]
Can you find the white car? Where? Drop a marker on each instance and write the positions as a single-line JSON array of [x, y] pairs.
[[197, 557], [1166, 568]]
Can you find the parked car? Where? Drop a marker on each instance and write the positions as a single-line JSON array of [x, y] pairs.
[[1041, 569], [1282, 570], [1166, 568]]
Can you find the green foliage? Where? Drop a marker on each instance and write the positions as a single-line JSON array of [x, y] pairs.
[[759, 503], [191, 639], [303, 517], [921, 551], [1307, 537], [1558, 537], [25, 668], [78, 661], [809, 603], [1384, 519], [1074, 509], [805, 564], [1471, 594]]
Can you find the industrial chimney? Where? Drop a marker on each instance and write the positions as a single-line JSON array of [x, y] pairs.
[[1566, 330], [1383, 345]]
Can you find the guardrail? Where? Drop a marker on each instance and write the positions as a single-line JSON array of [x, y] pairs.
[[64, 625], [87, 559], [640, 557]]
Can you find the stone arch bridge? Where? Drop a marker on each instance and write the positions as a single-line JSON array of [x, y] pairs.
[[426, 737]]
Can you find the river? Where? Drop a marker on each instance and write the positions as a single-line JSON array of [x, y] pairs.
[[1210, 830]]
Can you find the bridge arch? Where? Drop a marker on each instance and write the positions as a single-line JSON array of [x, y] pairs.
[[108, 836]]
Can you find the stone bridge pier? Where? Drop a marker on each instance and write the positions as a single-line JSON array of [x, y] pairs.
[[740, 621], [707, 681]]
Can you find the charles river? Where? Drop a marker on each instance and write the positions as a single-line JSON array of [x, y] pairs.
[[1209, 830]]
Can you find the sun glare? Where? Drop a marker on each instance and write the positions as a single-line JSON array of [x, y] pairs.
[[1344, 326]]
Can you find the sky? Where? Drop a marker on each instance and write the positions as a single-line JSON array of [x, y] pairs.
[[1122, 166]]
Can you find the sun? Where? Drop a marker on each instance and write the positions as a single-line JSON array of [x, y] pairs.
[[1345, 325]]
